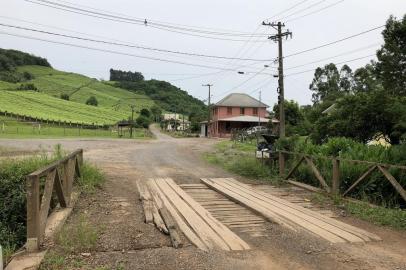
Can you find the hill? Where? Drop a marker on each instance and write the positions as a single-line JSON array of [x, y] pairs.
[[49, 85]]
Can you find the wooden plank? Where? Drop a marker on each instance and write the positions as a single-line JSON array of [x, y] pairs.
[[363, 176], [354, 230], [318, 174], [45, 202], [172, 228], [248, 202], [305, 186], [294, 168], [159, 223], [205, 233], [393, 181], [314, 225], [302, 221], [59, 190], [232, 240], [33, 220], [187, 231]]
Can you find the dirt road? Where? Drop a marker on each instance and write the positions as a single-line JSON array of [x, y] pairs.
[[126, 242]]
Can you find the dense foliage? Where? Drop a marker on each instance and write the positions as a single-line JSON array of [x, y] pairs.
[[10, 59], [169, 98], [119, 75], [364, 104], [375, 188]]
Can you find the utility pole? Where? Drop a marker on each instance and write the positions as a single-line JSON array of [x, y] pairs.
[[281, 91], [132, 120], [209, 111]]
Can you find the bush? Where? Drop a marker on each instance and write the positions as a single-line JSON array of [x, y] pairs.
[[64, 96], [27, 86], [27, 76], [92, 101], [143, 121]]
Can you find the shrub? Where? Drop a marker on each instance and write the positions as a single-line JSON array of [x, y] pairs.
[[92, 101], [27, 86], [64, 96], [27, 76], [143, 121]]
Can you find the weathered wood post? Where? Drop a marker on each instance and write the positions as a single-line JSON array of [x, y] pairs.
[[33, 218], [281, 164], [335, 183]]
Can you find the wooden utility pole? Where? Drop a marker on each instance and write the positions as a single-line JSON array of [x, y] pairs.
[[132, 120], [281, 91], [209, 111]]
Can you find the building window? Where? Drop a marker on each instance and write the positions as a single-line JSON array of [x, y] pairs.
[[242, 111], [255, 111], [229, 110]]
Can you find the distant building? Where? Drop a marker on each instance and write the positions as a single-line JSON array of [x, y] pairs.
[[175, 121], [235, 111]]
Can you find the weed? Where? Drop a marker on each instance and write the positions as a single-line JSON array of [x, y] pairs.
[[78, 238], [91, 178], [53, 261]]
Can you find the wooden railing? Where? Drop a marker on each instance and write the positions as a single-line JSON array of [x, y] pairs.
[[335, 181], [58, 176]]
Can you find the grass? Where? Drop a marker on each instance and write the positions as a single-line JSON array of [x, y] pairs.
[[11, 128], [113, 103], [378, 215], [240, 159], [91, 179]]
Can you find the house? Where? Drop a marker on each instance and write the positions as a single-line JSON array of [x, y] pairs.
[[235, 111], [176, 121]]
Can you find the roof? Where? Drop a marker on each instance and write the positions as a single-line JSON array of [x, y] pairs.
[[245, 118], [240, 100]]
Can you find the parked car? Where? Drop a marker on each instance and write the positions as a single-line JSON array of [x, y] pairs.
[[257, 129]]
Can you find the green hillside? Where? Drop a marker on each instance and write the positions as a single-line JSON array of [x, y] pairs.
[[113, 103]]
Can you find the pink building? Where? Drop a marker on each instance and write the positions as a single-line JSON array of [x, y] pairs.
[[235, 111]]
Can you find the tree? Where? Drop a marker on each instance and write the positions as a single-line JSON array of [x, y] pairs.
[[119, 75], [391, 64], [293, 117], [92, 101], [145, 112], [325, 83], [365, 79], [143, 121], [156, 112]]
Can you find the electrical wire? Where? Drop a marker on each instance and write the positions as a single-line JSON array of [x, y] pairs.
[[335, 56], [289, 8], [301, 10], [119, 53], [334, 42], [130, 46], [343, 62], [314, 12]]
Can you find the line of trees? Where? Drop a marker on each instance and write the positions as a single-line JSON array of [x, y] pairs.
[[129, 76]]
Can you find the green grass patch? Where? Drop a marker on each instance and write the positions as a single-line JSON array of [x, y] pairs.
[[240, 159], [91, 178]]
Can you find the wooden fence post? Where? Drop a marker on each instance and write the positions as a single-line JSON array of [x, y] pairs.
[[33, 218], [335, 183], [281, 164]]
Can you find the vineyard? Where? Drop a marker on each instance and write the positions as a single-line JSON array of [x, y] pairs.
[[46, 102]]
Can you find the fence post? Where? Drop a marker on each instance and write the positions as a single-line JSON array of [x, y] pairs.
[[1, 258], [335, 186], [281, 164], [33, 220]]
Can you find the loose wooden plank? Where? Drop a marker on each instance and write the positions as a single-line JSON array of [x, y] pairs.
[[205, 233], [232, 240], [172, 228], [147, 204], [187, 231], [345, 228]]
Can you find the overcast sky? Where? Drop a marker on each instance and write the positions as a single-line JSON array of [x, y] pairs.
[[344, 18]]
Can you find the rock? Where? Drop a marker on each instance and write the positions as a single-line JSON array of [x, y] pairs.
[[85, 254]]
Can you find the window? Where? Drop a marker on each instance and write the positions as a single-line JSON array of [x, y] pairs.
[[255, 111], [229, 110], [242, 111]]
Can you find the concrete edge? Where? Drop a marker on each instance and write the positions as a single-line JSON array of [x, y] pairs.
[[55, 221]]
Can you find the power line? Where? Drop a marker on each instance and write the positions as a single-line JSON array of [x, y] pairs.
[[331, 57], [130, 46], [120, 53], [184, 31], [335, 42], [289, 8], [343, 62], [316, 11], [303, 9]]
